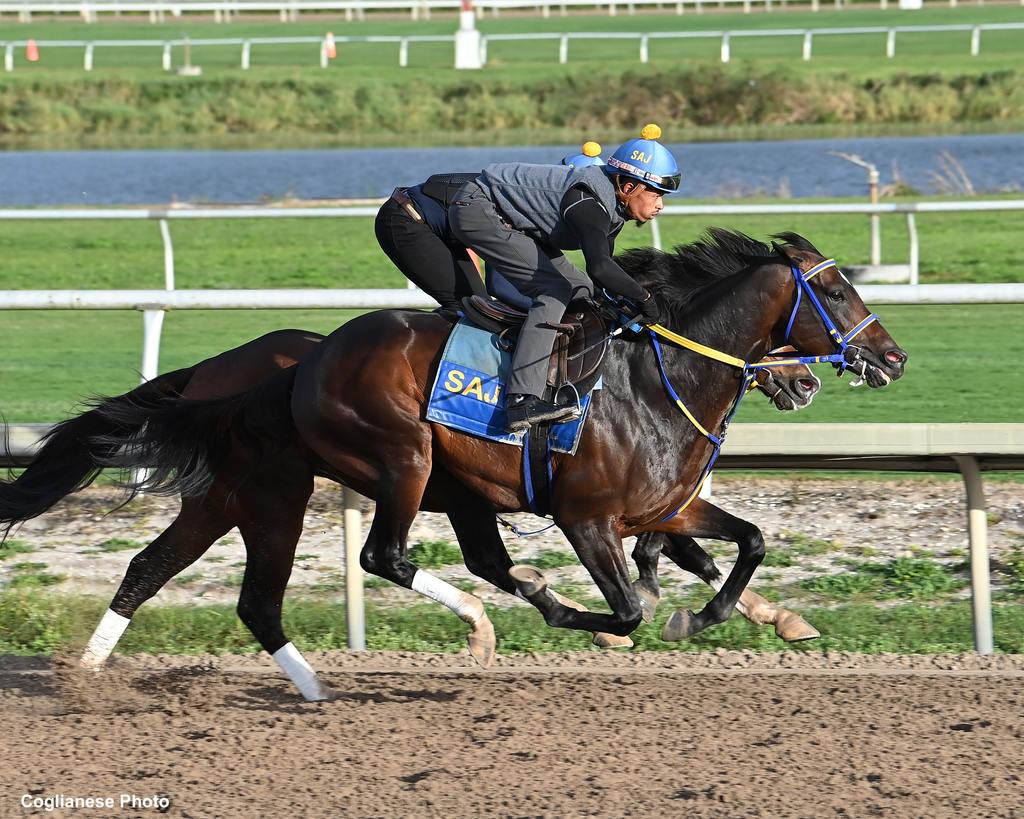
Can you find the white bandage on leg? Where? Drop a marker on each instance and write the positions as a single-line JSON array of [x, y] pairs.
[[468, 607], [299, 672], [103, 640]]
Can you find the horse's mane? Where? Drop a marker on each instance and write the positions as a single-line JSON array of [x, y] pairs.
[[680, 276]]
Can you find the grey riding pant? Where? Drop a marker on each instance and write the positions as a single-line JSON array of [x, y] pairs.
[[543, 274]]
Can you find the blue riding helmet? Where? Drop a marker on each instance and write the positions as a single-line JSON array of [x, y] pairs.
[[591, 156], [646, 160]]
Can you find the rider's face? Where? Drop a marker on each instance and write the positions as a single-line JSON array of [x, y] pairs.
[[644, 203]]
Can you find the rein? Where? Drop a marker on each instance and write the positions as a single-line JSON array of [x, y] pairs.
[[847, 356]]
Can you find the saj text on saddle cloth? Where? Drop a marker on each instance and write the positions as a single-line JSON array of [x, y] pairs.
[[469, 391]]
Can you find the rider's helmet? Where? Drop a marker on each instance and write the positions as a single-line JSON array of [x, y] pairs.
[[591, 156], [646, 160]]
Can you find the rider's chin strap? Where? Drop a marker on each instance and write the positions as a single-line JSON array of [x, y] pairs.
[[623, 197]]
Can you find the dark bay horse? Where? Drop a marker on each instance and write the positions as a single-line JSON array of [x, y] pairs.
[[357, 403], [64, 461]]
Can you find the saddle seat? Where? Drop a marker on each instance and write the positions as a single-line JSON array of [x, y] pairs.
[[580, 344]]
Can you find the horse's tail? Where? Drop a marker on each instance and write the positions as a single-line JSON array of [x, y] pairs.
[[172, 446], [73, 452]]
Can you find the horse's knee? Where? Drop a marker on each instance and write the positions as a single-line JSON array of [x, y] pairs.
[[751, 544]]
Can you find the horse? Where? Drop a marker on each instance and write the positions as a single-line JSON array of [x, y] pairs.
[[357, 403], [65, 452]]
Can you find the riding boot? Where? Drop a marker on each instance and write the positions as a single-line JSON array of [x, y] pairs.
[[525, 410]]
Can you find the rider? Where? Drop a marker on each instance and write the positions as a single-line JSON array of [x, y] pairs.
[[520, 217], [412, 229]]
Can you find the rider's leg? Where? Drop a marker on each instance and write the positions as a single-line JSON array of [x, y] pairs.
[[443, 271]]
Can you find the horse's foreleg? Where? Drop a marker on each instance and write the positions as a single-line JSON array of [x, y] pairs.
[[687, 554], [646, 552], [702, 519], [196, 528], [486, 556], [600, 551]]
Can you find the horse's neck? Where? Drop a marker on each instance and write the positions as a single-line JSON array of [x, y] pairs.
[[707, 387]]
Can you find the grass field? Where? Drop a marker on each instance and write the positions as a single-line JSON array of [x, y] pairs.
[[31, 623], [523, 96], [964, 360], [857, 54]]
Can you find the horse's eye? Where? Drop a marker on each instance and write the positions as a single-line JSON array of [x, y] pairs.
[[836, 295]]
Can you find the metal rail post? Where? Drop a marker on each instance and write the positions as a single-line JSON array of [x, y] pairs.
[[808, 41], [977, 531], [655, 234], [915, 250], [354, 612]]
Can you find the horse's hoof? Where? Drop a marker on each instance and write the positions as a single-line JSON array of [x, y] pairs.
[[648, 602], [792, 628], [602, 640], [528, 580], [482, 643], [679, 626], [323, 693]]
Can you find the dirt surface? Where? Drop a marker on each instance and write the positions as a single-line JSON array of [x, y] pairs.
[[717, 735], [85, 547]]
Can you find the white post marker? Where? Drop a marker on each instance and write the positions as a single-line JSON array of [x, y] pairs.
[[467, 39]]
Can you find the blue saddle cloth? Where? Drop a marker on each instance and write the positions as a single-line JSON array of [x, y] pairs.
[[469, 391]]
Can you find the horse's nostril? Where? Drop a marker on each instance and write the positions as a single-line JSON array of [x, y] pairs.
[[895, 357], [806, 385]]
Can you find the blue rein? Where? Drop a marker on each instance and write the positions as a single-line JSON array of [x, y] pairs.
[[840, 360]]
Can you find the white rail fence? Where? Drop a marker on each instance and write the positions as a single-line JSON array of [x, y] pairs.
[[909, 210], [289, 10], [644, 39]]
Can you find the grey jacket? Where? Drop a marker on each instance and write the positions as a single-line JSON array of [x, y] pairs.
[[530, 197]]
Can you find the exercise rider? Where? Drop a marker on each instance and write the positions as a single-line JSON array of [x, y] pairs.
[[521, 217]]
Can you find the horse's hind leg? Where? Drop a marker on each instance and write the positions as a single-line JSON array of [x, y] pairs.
[[687, 554], [271, 523], [198, 525], [399, 493], [486, 556]]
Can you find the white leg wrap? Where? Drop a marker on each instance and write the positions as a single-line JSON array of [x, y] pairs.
[[468, 607], [103, 640], [299, 672]]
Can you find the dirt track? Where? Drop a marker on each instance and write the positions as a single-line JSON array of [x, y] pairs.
[[597, 736]]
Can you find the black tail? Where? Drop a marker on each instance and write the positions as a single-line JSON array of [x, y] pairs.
[[171, 446], [73, 453]]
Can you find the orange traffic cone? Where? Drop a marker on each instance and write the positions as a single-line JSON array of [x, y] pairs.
[[32, 51], [330, 47]]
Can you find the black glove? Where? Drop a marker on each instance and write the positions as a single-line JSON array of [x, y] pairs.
[[650, 309]]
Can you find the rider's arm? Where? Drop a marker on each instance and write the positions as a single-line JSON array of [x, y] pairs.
[[588, 219]]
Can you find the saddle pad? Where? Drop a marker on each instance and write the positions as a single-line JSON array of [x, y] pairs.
[[469, 391]]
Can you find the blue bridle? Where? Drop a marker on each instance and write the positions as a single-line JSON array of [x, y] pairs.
[[842, 359], [848, 355]]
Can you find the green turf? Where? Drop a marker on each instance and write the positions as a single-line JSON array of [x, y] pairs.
[[523, 95], [964, 359], [31, 623], [861, 52]]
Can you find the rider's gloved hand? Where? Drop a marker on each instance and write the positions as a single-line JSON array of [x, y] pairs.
[[650, 309]]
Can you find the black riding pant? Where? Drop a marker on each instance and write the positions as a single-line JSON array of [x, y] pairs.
[[441, 269]]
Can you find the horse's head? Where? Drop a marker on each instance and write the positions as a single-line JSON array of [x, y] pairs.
[[788, 386], [824, 297]]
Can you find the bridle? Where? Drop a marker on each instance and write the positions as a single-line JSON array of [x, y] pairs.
[[848, 356]]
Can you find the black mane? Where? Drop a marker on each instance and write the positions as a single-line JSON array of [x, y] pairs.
[[683, 274]]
